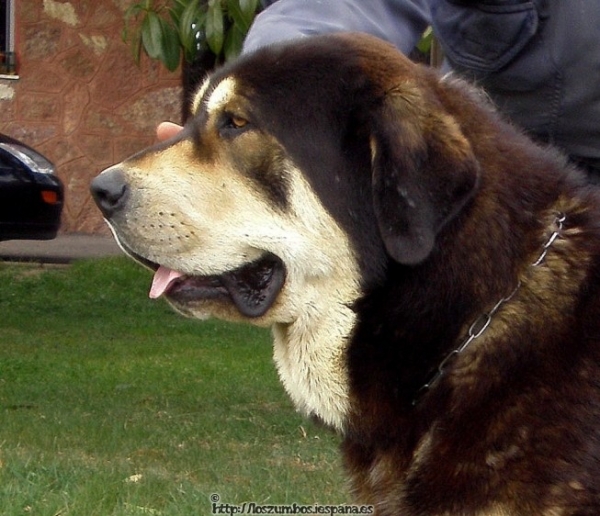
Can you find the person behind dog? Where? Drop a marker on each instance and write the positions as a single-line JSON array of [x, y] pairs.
[[538, 60]]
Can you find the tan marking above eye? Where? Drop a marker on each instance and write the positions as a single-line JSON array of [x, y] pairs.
[[220, 96], [199, 96]]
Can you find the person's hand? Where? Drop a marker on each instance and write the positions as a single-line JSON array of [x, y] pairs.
[[166, 130]]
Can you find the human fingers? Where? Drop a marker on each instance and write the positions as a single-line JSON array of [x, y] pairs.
[[166, 130]]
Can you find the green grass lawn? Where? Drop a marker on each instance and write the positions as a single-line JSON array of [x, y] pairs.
[[112, 404]]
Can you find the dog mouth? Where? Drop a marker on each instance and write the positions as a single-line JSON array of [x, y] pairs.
[[252, 288]]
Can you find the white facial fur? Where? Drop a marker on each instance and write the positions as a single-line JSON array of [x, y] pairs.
[[201, 216]]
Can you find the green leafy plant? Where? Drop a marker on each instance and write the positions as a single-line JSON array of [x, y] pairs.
[[425, 43], [178, 31]]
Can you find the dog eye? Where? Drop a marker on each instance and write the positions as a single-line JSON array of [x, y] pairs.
[[233, 124], [238, 122]]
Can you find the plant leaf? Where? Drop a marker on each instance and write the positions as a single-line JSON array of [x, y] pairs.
[[136, 45], [152, 35], [215, 26], [132, 12], [424, 44], [249, 8], [235, 13], [234, 41], [190, 24], [242, 13], [160, 40], [177, 9], [171, 46]]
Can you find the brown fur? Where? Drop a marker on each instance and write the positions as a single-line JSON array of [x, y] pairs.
[[435, 210]]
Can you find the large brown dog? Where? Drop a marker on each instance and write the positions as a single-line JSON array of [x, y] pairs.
[[431, 276]]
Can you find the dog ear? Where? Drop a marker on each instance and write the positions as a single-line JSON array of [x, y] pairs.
[[424, 172]]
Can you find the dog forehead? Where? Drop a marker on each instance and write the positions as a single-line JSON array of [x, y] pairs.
[[216, 98]]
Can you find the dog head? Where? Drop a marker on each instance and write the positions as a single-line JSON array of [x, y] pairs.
[[304, 169]]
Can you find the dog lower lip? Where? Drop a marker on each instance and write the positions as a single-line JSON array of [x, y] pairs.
[[253, 288]]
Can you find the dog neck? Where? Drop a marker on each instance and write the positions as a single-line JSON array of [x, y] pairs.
[[310, 355], [483, 322]]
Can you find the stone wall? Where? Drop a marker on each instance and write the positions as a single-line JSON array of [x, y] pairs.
[[79, 98]]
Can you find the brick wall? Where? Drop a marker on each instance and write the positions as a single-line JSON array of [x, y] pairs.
[[80, 99]]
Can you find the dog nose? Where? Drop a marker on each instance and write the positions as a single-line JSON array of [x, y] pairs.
[[110, 190]]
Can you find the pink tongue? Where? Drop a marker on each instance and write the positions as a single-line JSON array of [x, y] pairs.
[[163, 278]]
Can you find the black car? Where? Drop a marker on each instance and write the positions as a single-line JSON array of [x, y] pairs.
[[31, 196]]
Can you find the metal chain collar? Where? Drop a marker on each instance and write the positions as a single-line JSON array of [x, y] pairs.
[[484, 320]]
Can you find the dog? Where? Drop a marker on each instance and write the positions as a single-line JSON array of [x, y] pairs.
[[431, 276]]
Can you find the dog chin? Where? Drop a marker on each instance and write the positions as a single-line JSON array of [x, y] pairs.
[[223, 310]]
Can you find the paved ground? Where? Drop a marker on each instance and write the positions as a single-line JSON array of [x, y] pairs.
[[63, 249]]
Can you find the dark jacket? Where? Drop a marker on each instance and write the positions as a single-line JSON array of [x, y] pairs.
[[539, 60]]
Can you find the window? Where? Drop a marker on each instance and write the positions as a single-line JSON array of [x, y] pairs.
[[3, 27], [7, 37]]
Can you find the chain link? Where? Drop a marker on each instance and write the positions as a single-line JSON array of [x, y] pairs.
[[559, 221], [482, 323]]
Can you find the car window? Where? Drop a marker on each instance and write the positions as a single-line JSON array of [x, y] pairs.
[[12, 170], [29, 158]]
